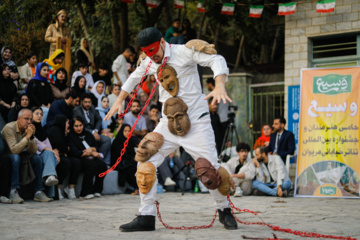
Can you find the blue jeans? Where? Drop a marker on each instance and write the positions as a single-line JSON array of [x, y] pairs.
[[49, 163], [36, 163], [270, 188], [45, 113]]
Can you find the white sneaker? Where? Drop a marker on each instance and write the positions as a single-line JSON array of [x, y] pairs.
[[61, 197], [4, 199], [15, 198], [40, 196], [238, 192], [97, 194], [70, 192], [169, 182], [89, 196], [51, 181]]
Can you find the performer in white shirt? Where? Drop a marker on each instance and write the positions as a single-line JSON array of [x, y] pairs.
[[199, 142]]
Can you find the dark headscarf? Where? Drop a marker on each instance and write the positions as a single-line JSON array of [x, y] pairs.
[[40, 132], [18, 102], [79, 91], [60, 122], [7, 87], [61, 86]]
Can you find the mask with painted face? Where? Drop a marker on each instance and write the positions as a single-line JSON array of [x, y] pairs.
[[145, 176], [179, 122], [148, 146], [207, 174], [169, 80]]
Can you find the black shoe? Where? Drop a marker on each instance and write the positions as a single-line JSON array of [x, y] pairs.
[[227, 219], [140, 223]]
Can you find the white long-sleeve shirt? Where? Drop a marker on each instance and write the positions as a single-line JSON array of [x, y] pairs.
[[89, 79], [120, 67], [184, 61]]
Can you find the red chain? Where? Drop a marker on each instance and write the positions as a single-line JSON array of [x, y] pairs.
[[139, 116], [183, 227], [277, 228]]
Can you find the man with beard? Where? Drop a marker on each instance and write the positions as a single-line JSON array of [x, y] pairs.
[[272, 177], [130, 118]]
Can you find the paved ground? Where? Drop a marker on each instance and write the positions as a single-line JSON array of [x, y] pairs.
[[100, 218]]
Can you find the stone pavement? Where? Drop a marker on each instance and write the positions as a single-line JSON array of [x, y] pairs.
[[100, 218]]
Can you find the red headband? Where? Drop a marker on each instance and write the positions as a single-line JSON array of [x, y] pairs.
[[152, 49]]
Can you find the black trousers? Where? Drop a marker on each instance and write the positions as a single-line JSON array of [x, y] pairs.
[[5, 175], [92, 168], [127, 175], [67, 166]]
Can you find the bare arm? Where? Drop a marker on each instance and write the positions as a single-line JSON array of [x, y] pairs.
[[117, 107]]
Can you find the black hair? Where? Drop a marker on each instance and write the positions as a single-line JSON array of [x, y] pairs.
[[103, 66], [77, 118], [113, 86], [60, 55], [7, 48], [242, 146], [104, 97], [33, 109], [44, 65], [83, 64], [72, 94], [263, 149], [281, 119], [210, 100], [86, 95], [30, 55], [211, 81], [154, 106], [130, 49], [135, 100], [64, 71], [176, 20]]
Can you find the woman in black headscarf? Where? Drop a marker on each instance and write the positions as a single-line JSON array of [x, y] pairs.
[[79, 85], [127, 167], [22, 102], [57, 134], [83, 145], [8, 94], [60, 87]]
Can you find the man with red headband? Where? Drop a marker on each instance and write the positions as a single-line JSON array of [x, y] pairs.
[[199, 142]]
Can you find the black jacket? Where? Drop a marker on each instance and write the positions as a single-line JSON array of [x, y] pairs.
[[286, 144]]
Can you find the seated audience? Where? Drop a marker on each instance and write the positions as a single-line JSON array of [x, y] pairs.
[[28, 70], [171, 165], [6, 56], [130, 118], [152, 119], [57, 134], [241, 169], [39, 90], [21, 103], [173, 34], [83, 145], [84, 54], [21, 147], [128, 166], [103, 74], [103, 110], [63, 107], [7, 94], [5, 174], [60, 87], [50, 157], [98, 91], [79, 86], [55, 62], [14, 76], [93, 124], [282, 142], [264, 139], [115, 91], [119, 123], [215, 123], [272, 177], [83, 71]]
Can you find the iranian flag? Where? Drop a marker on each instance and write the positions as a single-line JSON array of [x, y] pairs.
[[127, 1], [256, 11], [179, 4], [152, 3], [200, 7], [228, 9], [287, 8], [325, 6]]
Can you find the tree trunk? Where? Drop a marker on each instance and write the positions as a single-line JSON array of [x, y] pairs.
[[239, 53], [124, 27], [84, 23], [153, 16], [167, 16], [217, 32], [115, 28], [274, 44], [201, 26]]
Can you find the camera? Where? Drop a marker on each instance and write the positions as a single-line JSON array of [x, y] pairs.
[[231, 114]]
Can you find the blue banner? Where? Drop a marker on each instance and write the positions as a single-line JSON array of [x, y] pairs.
[[293, 113]]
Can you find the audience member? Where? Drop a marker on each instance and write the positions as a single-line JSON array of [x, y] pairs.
[[63, 107], [93, 124], [103, 73], [215, 123], [5, 174], [103, 110], [143, 97], [173, 34], [115, 91], [50, 157], [6, 56], [57, 134], [55, 62], [272, 177], [129, 97], [130, 118], [119, 68], [83, 145], [21, 103], [127, 167], [83, 71], [28, 70], [21, 147], [282, 142], [14, 76], [119, 123], [152, 119], [241, 169], [171, 165], [84, 54], [7, 94], [188, 32], [56, 30], [98, 91], [79, 86], [39, 90], [60, 87], [264, 139]]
